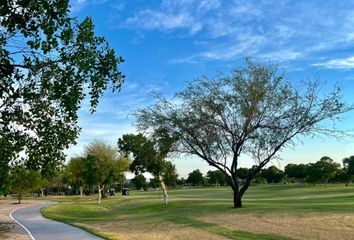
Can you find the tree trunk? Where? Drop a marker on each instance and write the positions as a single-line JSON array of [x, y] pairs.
[[99, 192], [42, 192], [103, 191], [81, 189], [164, 190], [237, 199], [19, 197]]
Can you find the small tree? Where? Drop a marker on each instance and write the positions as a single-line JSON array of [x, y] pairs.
[[255, 111], [195, 178], [149, 155], [100, 161], [24, 181]]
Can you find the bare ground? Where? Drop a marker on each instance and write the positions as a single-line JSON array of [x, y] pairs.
[[8, 228], [317, 226]]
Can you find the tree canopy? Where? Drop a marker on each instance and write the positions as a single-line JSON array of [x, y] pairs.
[[150, 155], [195, 177], [49, 62], [256, 111]]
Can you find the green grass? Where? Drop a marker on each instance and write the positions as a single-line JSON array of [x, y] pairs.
[[145, 209]]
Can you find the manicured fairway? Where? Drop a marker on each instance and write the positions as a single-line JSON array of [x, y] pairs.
[[270, 212]]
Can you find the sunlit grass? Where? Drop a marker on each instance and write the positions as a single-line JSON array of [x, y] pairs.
[[186, 205]]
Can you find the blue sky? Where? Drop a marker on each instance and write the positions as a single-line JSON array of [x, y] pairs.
[[167, 43]]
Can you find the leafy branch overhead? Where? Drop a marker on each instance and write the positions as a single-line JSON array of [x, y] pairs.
[[256, 111], [49, 63]]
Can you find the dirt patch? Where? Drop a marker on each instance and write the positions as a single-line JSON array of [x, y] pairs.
[[315, 226], [161, 231], [8, 228]]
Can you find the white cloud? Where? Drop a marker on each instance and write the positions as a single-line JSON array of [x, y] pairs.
[[78, 5], [339, 63], [283, 31]]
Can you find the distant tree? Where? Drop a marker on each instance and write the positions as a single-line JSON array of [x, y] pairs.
[[348, 164], [170, 174], [255, 111], [99, 162], [322, 170], [149, 155], [139, 181], [328, 168], [343, 177], [155, 182], [272, 174], [121, 165], [243, 173], [314, 174], [296, 171], [49, 62], [181, 181], [195, 178], [75, 173], [216, 178], [24, 181]]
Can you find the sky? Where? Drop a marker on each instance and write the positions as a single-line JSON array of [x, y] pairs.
[[168, 43]]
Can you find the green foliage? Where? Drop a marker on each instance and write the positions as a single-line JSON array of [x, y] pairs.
[[75, 172], [296, 171], [102, 165], [272, 174], [195, 178], [216, 178], [170, 175], [149, 155], [322, 171], [24, 181], [49, 63], [348, 164], [139, 181]]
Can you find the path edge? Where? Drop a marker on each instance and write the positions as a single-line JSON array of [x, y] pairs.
[[13, 219]]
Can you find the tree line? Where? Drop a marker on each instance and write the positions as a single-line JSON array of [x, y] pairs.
[[324, 171]]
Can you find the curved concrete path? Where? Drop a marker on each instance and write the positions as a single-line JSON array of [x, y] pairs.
[[41, 228]]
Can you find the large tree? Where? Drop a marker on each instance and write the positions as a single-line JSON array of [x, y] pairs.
[[149, 155], [49, 62], [256, 112]]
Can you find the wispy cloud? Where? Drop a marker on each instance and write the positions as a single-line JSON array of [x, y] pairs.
[[280, 31], [339, 63], [78, 5]]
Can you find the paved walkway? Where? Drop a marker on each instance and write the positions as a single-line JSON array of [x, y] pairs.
[[45, 229]]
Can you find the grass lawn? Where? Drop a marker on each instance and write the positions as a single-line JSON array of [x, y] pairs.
[[270, 212]]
